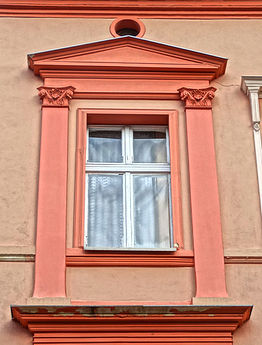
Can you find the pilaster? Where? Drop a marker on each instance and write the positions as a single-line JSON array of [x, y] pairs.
[[252, 85], [207, 234], [50, 264]]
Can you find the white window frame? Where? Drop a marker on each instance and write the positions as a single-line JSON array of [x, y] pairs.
[[127, 168]]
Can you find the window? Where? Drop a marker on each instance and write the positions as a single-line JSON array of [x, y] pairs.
[[128, 194]]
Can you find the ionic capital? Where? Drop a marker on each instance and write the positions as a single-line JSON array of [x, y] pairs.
[[56, 96], [197, 98]]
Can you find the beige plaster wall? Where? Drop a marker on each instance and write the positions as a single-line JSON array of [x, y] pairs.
[[20, 115], [130, 284], [244, 285], [15, 286], [237, 40], [20, 124]]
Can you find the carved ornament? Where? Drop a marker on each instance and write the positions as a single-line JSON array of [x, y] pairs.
[[197, 98], [56, 97]]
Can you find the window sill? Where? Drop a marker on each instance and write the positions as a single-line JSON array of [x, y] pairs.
[[78, 257], [131, 249]]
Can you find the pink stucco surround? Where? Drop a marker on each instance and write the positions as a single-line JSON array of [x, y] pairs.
[[65, 78]]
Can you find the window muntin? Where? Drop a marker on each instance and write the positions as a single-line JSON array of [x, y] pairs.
[[128, 220]]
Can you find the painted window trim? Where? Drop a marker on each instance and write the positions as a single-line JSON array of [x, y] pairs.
[[189, 82], [252, 87], [124, 116]]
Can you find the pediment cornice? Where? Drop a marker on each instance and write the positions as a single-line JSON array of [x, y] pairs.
[[126, 54]]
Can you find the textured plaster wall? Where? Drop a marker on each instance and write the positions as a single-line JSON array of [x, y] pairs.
[[20, 127], [20, 115], [131, 284], [16, 284], [244, 283]]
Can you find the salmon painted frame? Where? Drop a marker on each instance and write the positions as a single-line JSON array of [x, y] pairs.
[[155, 71], [126, 117]]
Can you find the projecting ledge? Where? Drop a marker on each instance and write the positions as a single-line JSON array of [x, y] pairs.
[[190, 318]]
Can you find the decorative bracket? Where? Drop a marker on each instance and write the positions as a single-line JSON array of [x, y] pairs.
[[56, 97], [197, 98]]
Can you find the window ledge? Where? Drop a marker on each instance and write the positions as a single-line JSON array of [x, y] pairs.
[[131, 249], [78, 257]]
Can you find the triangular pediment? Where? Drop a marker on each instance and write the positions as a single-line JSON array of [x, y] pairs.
[[127, 53]]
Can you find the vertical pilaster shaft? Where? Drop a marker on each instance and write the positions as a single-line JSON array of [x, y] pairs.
[[51, 216], [207, 234]]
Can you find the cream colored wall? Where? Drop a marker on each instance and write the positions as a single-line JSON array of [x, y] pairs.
[[20, 115], [16, 284], [20, 123], [130, 284]]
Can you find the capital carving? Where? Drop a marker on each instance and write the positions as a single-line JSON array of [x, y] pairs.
[[197, 98], [56, 97]]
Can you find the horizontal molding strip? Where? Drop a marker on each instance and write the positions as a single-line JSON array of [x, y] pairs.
[[76, 257], [183, 9], [127, 260], [17, 257]]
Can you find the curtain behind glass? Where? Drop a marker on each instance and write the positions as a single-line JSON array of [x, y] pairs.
[[149, 147], [105, 146], [151, 211], [105, 211]]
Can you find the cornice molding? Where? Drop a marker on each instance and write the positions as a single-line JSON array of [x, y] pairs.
[[183, 9], [251, 84], [134, 324], [101, 70]]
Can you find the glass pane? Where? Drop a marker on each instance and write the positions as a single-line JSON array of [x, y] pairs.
[[149, 147], [105, 211], [104, 146], [151, 211]]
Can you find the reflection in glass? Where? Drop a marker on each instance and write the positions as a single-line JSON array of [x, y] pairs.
[[104, 146], [151, 211], [149, 147], [105, 211]]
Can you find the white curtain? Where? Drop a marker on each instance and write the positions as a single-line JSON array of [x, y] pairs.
[[151, 211], [105, 146], [105, 211]]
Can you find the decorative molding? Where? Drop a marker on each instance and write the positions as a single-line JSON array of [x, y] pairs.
[[252, 86], [241, 259], [17, 257], [77, 257], [56, 97], [148, 57], [126, 117], [183, 9], [132, 324], [197, 98]]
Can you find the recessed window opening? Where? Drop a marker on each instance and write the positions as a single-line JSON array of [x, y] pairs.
[[127, 31], [128, 197], [126, 26]]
